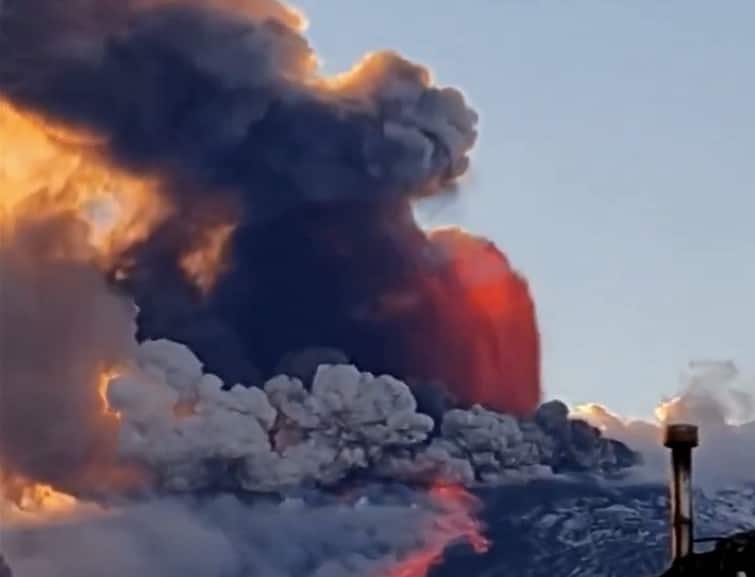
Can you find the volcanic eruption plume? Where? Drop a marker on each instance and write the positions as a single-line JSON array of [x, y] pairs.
[[287, 196], [188, 157], [220, 322]]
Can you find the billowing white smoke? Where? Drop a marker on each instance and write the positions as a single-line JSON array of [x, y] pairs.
[[192, 434], [180, 423], [716, 398]]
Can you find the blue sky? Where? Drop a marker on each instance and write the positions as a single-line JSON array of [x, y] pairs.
[[616, 167]]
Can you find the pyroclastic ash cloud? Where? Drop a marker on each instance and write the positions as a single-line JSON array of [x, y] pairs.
[[290, 194]]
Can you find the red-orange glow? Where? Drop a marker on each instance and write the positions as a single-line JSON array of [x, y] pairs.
[[185, 409], [23, 501], [664, 410], [49, 168], [26, 504], [44, 498], [204, 263], [483, 321], [103, 382], [455, 524]]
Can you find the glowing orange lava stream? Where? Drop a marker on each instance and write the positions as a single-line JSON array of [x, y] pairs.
[[455, 524]]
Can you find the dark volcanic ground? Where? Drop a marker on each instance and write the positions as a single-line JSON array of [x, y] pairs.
[[584, 530]]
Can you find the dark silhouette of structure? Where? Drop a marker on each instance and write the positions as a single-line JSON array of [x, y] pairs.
[[732, 556]]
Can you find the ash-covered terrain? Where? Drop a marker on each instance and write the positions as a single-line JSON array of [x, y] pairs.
[[582, 529]]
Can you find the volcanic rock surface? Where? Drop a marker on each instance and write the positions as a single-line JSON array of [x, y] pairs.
[[585, 530]]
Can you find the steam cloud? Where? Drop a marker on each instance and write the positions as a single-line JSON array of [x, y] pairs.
[[223, 100], [716, 398]]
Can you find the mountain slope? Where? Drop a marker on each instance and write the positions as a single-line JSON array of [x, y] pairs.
[[584, 530]]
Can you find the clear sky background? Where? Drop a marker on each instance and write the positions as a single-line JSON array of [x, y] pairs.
[[616, 167]]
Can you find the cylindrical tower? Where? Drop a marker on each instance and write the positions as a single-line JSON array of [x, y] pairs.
[[681, 439]]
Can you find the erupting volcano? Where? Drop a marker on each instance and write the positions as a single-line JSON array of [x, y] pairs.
[[203, 237], [287, 196], [229, 349]]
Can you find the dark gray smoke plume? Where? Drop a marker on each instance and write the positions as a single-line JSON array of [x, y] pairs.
[[224, 102], [232, 99]]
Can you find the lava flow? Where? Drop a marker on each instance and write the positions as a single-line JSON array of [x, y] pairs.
[[455, 524]]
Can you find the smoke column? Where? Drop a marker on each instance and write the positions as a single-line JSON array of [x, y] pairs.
[[52, 427], [290, 195]]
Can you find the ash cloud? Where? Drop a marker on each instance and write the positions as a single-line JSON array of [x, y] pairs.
[[193, 435], [225, 102], [61, 325], [226, 537], [232, 98]]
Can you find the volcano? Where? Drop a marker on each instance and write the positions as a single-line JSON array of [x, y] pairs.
[[228, 347]]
